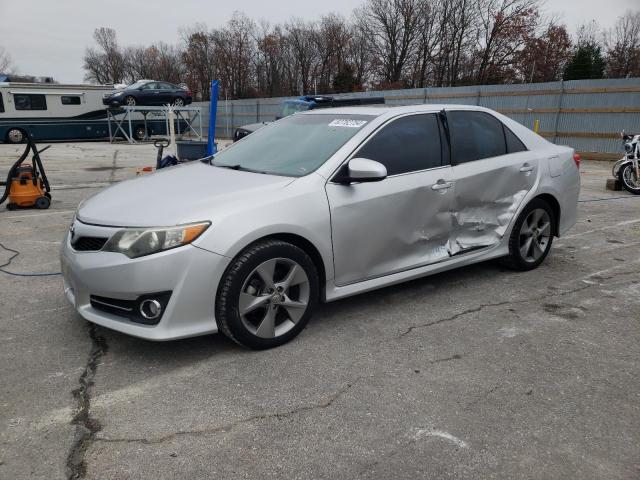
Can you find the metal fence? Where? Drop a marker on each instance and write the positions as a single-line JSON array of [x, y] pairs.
[[587, 115]]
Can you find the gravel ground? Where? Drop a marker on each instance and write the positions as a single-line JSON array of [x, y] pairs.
[[475, 373]]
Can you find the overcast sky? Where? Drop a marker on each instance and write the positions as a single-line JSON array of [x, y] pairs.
[[48, 37]]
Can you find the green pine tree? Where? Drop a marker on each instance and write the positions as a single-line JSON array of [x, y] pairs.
[[586, 62]]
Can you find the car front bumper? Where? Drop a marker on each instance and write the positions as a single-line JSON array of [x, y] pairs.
[[189, 273]]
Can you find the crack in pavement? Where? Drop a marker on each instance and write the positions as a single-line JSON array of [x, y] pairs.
[[86, 425], [230, 426], [588, 283], [489, 305]]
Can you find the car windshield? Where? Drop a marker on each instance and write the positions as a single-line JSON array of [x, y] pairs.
[[290, 107], [294, 146]]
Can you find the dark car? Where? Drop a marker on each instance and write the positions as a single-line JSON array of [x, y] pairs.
[[148, 92]]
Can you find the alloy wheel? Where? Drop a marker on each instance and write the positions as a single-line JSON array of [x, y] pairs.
[[535, 235], [274, 297], [178, 102]]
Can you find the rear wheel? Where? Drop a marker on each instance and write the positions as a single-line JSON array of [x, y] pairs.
[[43, 203], [532, 236], [178, 102], [629, 179], [16, 135], [267, 295], [139, 132]]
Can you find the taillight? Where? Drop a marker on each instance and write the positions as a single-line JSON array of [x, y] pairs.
[[577, 159]]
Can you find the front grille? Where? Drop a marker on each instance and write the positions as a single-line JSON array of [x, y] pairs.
[[89, 244]]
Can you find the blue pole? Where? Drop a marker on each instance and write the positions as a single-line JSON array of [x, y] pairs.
[[213, 107]]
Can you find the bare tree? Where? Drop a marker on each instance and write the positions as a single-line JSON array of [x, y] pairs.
[[504, 26], [623, 46], [5, 60], [393, 27], [105, 64]]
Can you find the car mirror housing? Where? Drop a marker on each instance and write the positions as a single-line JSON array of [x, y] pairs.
[[362, 170]]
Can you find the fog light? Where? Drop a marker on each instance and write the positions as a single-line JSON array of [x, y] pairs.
[[150, 309]]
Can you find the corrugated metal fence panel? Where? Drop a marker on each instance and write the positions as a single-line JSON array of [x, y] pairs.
[[595, 110]]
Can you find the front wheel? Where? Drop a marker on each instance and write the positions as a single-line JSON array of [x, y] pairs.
[[130, 101], [629, 178], [15, 135], [532, 236], [267, 295]]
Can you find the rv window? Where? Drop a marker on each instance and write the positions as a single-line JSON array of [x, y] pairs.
[[26, 101], [1, 104], [70, 100]]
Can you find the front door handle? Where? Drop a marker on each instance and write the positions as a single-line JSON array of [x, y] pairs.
[[526, 168], [441, 185]]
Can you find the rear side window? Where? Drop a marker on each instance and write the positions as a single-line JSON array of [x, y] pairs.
[[1, 104], [30, 101], [408, 144], [70, 100], [166, 86], [514, 144], [474, 136]]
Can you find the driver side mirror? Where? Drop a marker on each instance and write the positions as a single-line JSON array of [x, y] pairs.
[[361, 170]]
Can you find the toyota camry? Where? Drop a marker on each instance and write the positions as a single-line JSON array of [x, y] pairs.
[[312, 208]]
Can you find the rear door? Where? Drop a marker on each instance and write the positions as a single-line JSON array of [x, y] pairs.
[[493, 172], [167, 92], [403, 221]]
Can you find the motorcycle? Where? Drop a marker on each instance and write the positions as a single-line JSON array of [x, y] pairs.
[[627, 169]]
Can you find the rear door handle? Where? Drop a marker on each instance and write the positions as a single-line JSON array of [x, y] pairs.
[[526, 168], [441, 185]]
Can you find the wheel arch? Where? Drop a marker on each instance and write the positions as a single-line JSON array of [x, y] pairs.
[[308, 247], [555, 206]]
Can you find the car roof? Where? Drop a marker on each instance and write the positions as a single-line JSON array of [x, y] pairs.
[[393, 110]]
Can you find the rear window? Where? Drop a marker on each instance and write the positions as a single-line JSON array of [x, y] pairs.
[[514, 144], [1, 104], [70, 100], [29, 101], [474, 136]]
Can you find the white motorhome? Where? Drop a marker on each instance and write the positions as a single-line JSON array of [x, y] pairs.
[[48, 111]]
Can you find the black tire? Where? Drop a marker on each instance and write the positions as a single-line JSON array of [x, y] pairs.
[[130, 101], [42, 203], [178, 102], [16, 135], [235, 278], [139, 132], [627, 173], [515, 259], [12, 206]]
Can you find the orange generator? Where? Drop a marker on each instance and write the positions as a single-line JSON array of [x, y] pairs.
[[27, 185]]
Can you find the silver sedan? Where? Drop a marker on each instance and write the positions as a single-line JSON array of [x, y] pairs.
[[312, 208]]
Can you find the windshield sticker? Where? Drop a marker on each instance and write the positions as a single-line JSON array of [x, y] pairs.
[[347, 123]]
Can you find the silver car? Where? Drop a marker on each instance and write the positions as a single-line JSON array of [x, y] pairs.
[[315, 207]]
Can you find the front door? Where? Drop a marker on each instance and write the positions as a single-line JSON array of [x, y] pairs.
[[493, 172], [403, 221]]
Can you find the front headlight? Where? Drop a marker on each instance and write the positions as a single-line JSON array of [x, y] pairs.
[[138, 242]]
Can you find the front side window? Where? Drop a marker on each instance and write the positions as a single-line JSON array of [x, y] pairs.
[[29, 101], [474, 136], [294, 146], [1, 104], [70, 100], [409, 144]]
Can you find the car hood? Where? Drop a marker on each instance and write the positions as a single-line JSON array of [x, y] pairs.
[[177, 195]]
